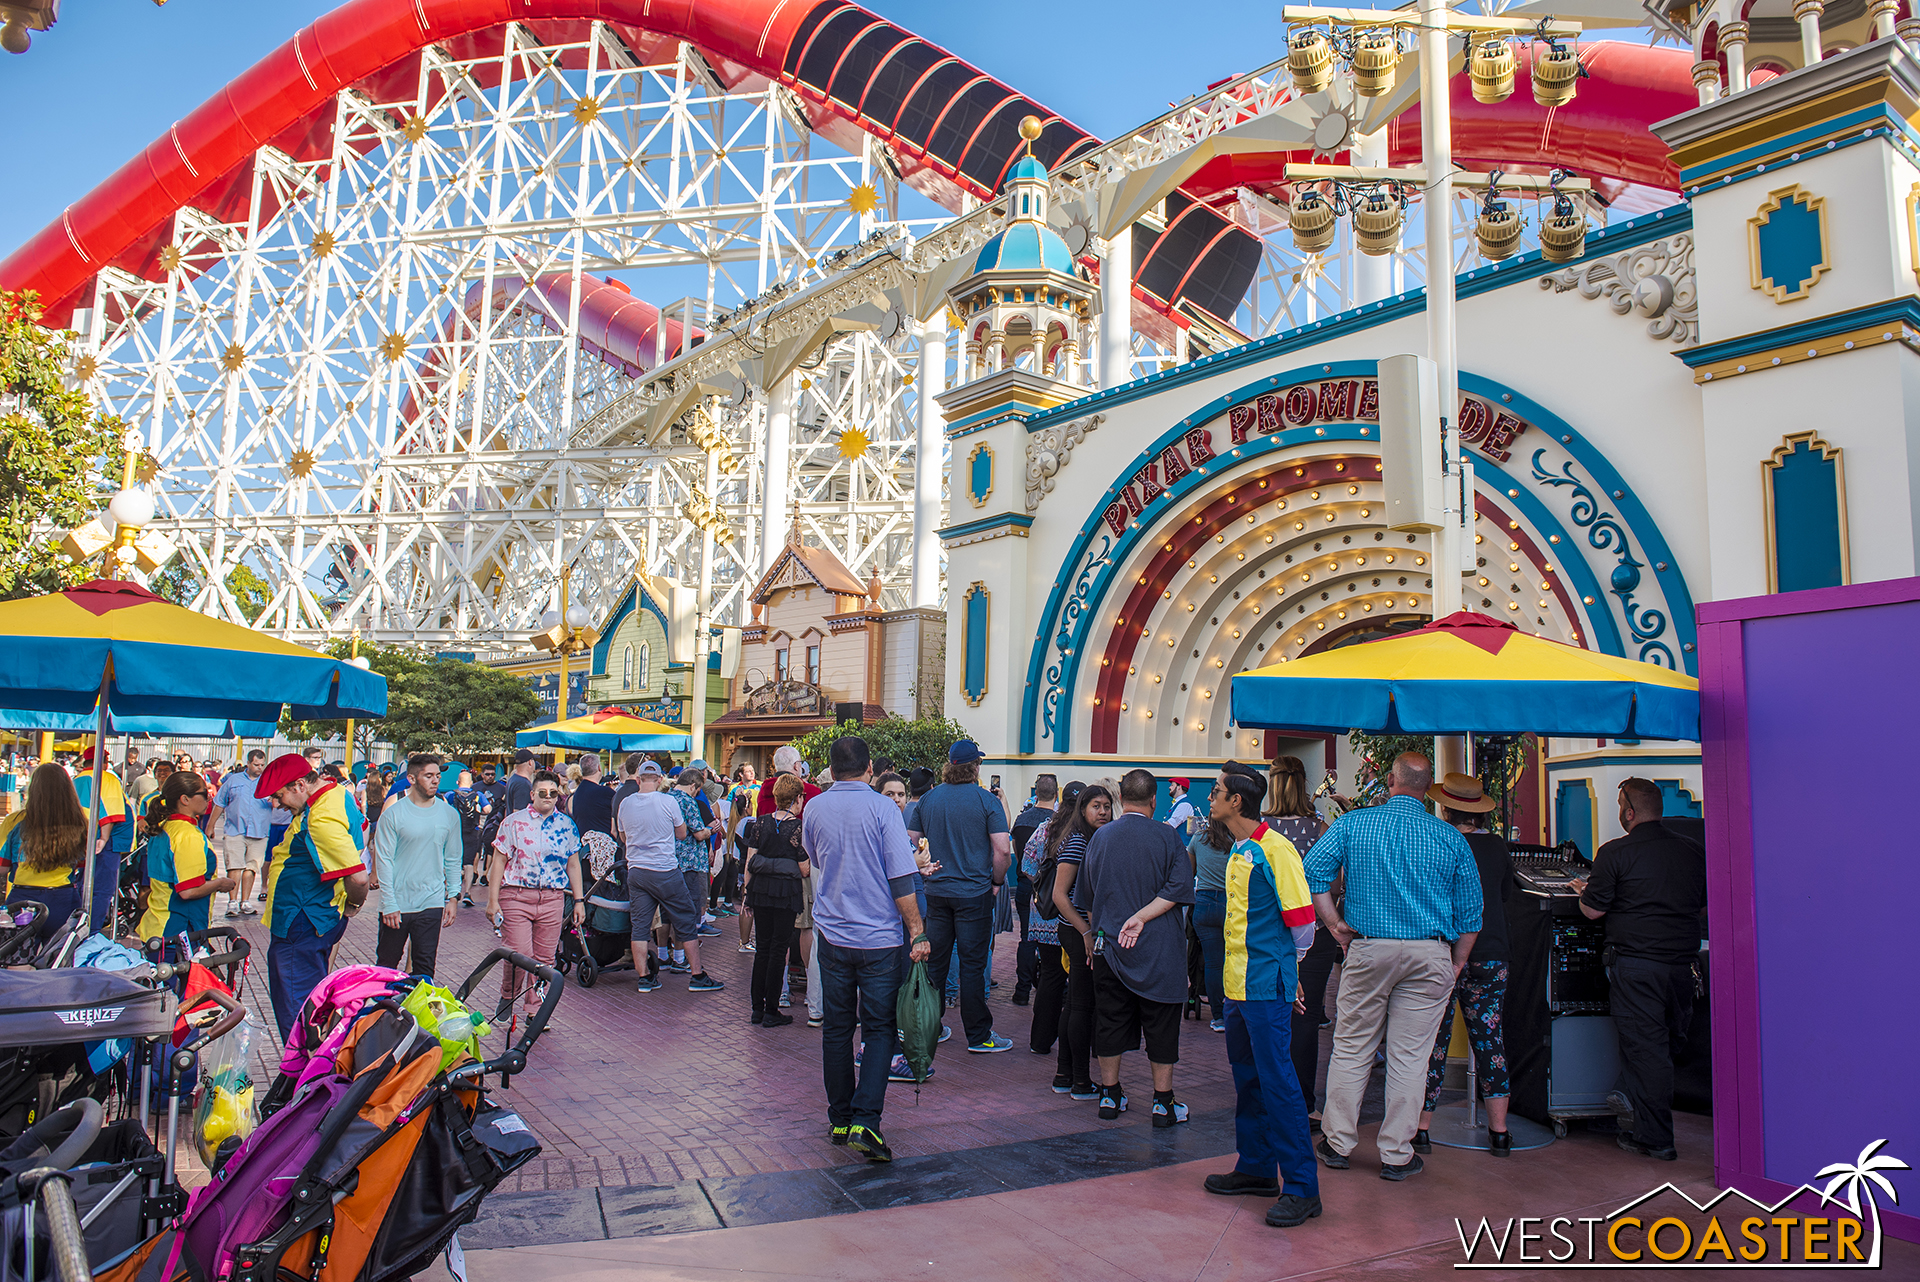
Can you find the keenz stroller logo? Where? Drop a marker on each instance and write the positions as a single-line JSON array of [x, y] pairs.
[[91, 1016], [1738, 1230]]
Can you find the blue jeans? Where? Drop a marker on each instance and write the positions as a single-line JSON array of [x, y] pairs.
[[1269, 1113], [1210, 923], [296, 963], [963, 927], [865, 981]]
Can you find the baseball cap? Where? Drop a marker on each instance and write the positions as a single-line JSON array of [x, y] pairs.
[[1184, 783], [696, 764], [288, 767], [964, 751], [675, 772], [649, 769], [523, 756]]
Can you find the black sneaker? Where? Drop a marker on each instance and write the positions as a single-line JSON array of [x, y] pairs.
[[646, 984], [1236, 1184], [1631, 1145], [676, 967], [1329, 1157], [1291, 1211], [838, 1136], [705, 983], [1112, 1103], [1500, 1143], [1062, 1083], [1422, 1142], [866, 1140], [758, 1016], [776, 1020], [1171, 1113], [1412, 1166], [1021, 996]]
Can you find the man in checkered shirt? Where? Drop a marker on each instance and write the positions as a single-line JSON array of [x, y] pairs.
[[1411, 913]]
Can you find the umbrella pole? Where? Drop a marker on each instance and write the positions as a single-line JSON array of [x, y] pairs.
[[93, 809]]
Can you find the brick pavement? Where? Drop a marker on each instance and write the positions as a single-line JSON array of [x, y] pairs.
[[627, 1089]]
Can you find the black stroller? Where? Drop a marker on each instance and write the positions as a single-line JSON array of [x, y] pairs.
[[604, 944]]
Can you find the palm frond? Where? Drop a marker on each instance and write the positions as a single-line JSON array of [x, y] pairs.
[[1885, 1187], [1845, 1175]]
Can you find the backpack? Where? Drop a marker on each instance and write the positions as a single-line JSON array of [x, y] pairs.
[[1043, 878]]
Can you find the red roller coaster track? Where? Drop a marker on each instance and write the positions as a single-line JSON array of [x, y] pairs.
[[952, 128]]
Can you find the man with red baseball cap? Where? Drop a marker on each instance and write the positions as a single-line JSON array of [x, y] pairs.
[[1181, 816], [318, 879]]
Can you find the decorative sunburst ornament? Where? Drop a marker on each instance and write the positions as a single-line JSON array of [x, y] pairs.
[[393, 346], [586, 111], [322, 244], [415, 129], [171, 258], [864, 199], [233, 358], [853, 443], [85, 368], [146, 468], [301, 464]]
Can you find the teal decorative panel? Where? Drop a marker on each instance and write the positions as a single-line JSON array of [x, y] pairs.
[[1787, 244], [980, 474], [1573, 815], [975, 617], [1676, 802], [1806, 516]]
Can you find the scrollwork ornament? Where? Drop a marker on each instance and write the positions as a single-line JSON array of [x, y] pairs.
[[1655, 280], [1063, 643], [1605, 533], [1048, 451]]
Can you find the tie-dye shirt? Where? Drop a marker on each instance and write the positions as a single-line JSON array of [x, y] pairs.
[[537, 848]]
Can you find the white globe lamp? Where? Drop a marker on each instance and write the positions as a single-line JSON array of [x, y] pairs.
[[576, 616], [131, 508], [361, 661]]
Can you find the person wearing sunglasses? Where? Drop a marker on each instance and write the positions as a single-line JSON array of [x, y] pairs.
[[182, 874], [535, 862]]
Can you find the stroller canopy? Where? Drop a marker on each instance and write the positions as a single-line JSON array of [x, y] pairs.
[[44, 1007]]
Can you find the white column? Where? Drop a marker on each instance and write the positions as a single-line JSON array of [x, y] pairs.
[[703, 618], [1882, 13], [1116, 310], [1372, 276], [773, 506], [1807, 14], [1733, 43], [1436, 146], [1706, 81], [929, 462]]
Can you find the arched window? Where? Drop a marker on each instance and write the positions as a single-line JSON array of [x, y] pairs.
[[644, 666], [626, 669]]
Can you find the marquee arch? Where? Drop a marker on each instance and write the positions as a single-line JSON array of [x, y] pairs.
[[1254, 528]]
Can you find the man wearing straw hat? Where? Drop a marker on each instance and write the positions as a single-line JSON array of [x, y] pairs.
[[318, 880]]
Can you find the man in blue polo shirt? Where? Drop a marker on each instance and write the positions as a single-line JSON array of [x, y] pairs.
[[318, 880], [965, 827], [248, 822]]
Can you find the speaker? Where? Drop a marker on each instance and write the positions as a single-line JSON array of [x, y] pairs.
[[1410, 443], [854, 712]]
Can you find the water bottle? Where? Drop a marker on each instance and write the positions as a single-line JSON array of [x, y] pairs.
[[457, 1027], [1099, 942]]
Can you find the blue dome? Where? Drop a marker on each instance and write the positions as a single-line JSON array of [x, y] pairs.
[[1028, 168], [1028, 247]]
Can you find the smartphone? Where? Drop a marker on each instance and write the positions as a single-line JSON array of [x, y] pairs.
[[996, 783]]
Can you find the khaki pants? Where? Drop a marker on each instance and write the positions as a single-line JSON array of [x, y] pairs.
[[1399, 989]]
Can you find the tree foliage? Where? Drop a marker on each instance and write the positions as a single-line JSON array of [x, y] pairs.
[[434, 705], [922, 741], [1376, 753], [179, 581], [52, 450]]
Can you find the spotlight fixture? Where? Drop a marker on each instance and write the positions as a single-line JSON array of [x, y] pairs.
[[1498, 228], [1310, 62], [1312, 220], [1563, 233], [1376, 61], [1492, 71], [1377, 218], [1554, 74]]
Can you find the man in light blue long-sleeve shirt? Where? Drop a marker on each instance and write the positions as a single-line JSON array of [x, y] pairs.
[[1411, 914], [416, 850]]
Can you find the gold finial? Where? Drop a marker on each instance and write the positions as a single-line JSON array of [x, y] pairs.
[[1030, 128], [794, 537]]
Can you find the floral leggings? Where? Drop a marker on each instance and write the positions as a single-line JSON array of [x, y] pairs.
[[1481, 991]]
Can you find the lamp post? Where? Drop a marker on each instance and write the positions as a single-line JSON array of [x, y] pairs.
[[565, 632], [353, 657]]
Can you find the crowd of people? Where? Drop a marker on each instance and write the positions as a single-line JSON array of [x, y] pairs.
[[841, 885]]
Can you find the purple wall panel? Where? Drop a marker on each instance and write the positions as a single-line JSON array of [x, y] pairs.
[[1836, 883], [1813, 879]]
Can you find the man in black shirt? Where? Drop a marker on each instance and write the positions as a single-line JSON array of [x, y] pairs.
[[520, 782], [1649, 886], [1046, 794], [592, 800]]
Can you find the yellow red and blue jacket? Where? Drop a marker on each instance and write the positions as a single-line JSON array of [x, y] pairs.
[[323, 846], [178, 859], [1268, 912]]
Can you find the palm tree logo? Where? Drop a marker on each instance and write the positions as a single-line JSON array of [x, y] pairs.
[[1861, 1177]]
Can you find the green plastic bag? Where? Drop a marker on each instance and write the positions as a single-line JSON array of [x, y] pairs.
[[440, 1014], [917, 1011]]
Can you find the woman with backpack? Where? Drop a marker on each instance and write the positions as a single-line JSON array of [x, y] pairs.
[[1066, 851], [1043, 928]]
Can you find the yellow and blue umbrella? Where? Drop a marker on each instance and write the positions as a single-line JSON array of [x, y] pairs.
[[610, 730], [149, 665], [115, 654], [1469, 673]]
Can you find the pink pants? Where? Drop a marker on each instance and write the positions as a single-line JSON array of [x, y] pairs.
[[531, 927]]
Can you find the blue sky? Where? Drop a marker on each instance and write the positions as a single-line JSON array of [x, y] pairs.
[[114, 74]]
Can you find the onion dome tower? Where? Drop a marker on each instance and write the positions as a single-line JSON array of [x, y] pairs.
[[1026, 304]]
